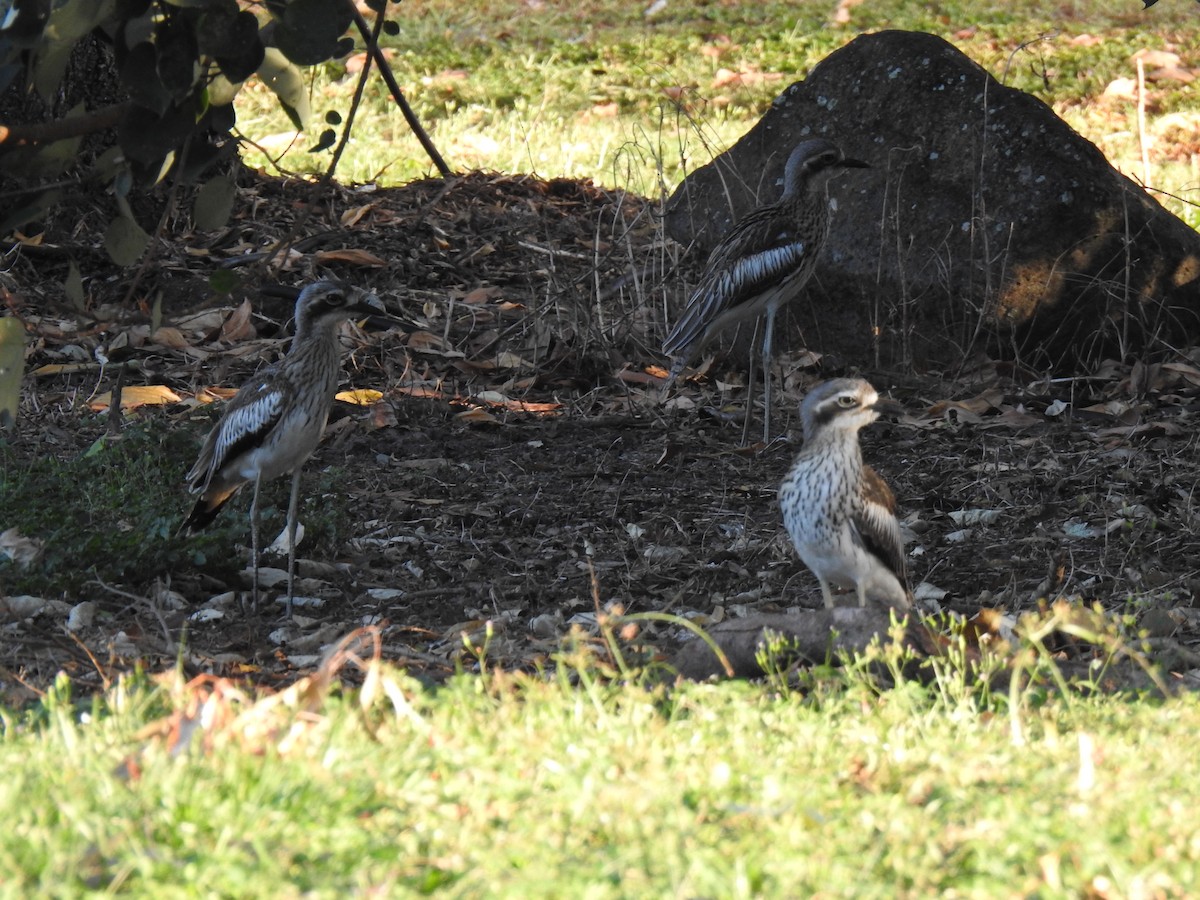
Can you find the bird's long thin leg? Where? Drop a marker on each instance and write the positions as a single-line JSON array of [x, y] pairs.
[[770, 329], [254, 541], [826, 593], [291, 527], [750, 387]]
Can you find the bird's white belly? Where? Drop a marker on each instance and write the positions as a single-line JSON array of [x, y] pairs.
[[817, 515], [289, 445], [846, 567]]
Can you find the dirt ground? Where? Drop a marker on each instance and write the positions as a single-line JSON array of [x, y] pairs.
[[520, 472]]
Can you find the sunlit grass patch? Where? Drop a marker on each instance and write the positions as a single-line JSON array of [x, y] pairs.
[[575, 784], [602, 91]]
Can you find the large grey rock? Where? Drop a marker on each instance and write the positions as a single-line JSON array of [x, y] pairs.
[[986, 222]]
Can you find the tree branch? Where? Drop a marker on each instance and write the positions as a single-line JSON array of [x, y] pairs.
[[61, 129], [386, 71]]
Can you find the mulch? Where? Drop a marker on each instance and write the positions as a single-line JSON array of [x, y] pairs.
[[519, 480]]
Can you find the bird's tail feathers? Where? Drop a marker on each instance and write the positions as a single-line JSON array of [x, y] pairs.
[[205, 510]]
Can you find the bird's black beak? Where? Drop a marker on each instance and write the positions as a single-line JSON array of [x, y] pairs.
[[849, 163], [886, 406], [367, 304]]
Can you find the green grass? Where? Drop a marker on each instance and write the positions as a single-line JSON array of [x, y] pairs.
[[111, 512], [583, 90], [570, 787]]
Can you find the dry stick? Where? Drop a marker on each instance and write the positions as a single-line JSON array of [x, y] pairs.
[[114, 403], [76, 126], [372, 39], [390, 80], [289, 240]]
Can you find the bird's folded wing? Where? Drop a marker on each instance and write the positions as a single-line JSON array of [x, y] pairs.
[[251, 415], [879, 533], [726, 287]]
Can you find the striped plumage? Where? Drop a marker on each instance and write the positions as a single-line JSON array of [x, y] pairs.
[[763, 262], [277, 418], [840, 514]]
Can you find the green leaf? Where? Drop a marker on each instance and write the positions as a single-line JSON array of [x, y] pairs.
[[285, 82], [178, 58], [214, 203], [147, 137], [46, 160], [12, 367], [308, 32], [107, 165], [125, 241], [68, 22], [96, 448], [35, 207], [139, 76], [327, 139], [222, 91], [230, 37], [49, 67]]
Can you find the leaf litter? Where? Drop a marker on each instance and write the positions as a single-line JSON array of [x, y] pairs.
[[506, 456]]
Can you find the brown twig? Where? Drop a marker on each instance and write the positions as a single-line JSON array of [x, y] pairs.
[[398, 95], [372, 39], [289, 241], [76, 126], [114, 404]]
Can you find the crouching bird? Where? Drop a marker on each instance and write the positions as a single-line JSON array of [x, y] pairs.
[[277, 418], [840, 514], [763, 262]]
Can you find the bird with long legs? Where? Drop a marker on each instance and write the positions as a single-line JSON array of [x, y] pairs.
[[277, 418], [840, 514], [762, 263]]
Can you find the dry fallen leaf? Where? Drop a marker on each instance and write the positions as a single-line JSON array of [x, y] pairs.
[[238, 326], [360, 396], [352, 217], [977, 406], [1121, 89], [137, 395], [23, 551], [1157, 58], [351, 255], [169, 337], [508, 360], [842, 14], [480, 295], [477, 416]]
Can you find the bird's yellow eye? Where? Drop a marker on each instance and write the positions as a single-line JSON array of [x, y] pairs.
[[846, 401]]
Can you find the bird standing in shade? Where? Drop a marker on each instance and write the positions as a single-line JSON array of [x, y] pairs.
[[763, 262], [276, 419], [840, 514]]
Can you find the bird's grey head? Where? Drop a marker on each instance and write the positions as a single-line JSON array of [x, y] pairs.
[[325, 303], [843, 404], [812, 163]]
